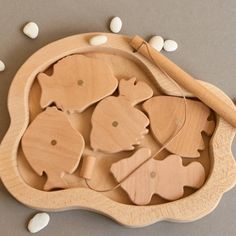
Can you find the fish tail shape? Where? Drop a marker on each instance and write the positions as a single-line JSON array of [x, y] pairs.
[[55, 181], [134, 91], [46, 84], [196, 175]]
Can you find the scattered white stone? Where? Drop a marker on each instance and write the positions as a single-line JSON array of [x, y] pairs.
[[31, 29], [2, 66], [157, 42], [116, 25], [38, 222], [170, 45], [98, 40]]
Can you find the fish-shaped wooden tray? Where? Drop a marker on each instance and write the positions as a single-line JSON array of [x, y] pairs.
[[26, 102]]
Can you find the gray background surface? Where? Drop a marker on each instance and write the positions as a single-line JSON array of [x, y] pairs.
[[206, 33]]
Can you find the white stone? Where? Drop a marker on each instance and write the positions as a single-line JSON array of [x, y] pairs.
[[116, 25], [31, 29], [38, 222], [170, 45], [98, 40], [2, 66], [157, 42]]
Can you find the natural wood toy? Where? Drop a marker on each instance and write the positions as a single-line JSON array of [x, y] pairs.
[[165, 178], [24, 107], [167, 114], [51, 145], [185, 80], [118, 119], [76, 83]]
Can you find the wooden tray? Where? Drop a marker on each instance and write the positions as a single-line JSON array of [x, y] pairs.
[[26, 186]]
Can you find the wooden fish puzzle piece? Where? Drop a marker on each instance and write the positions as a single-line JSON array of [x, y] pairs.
[[116, 124], [166, 116], [166, 178], [77, 82], [51, 145]]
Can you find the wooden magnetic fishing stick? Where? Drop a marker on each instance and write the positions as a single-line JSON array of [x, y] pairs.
[[185, 80]]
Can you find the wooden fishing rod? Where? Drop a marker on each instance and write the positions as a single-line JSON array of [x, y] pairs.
[[185, 80]]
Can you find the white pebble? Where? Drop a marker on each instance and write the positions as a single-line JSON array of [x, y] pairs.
[[2, 66], [170, 45], [116, 25], [157, 42], [38, 222], [98, 40], [31, 30]]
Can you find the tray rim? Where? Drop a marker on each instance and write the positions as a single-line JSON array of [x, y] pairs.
[[222, 176]]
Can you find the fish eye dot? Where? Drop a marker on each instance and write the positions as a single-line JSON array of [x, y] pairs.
[[153, 174], [80, 82], [54, 142], [115, 123]]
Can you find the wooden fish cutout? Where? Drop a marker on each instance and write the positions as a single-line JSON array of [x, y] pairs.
[[116, 124], [76, 83], [51, 145], [166, 116], [166, 178]]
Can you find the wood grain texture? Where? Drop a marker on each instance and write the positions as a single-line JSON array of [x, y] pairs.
[[116, 118], [193, 207], [76, 83], [166, 178], [52, 146], [167, 114]]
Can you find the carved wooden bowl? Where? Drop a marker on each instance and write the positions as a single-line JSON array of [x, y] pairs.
[[27, 187]]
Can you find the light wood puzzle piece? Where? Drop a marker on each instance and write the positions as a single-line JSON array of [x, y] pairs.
[[51, 145], [116, 124], [166, 116], [166, 178], [77, 82]]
